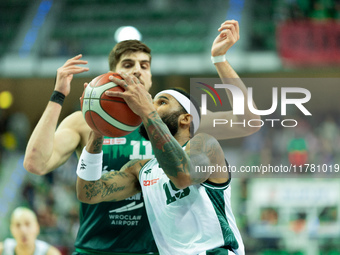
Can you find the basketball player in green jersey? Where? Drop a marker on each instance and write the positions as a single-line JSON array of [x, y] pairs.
[[108, 227]]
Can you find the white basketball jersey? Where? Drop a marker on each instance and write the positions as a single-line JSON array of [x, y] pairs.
[[189, 221], [41, 247]]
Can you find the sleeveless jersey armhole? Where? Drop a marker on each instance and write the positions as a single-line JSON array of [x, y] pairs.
[[220, 186], [143, 167]]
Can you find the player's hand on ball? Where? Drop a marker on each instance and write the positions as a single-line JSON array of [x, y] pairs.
[[107, 115], [135, 95], [66, 72], [229, 35]]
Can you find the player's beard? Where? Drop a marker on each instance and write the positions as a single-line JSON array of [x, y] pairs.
[[171, 120]]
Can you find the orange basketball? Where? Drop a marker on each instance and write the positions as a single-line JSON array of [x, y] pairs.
[[110, 116]]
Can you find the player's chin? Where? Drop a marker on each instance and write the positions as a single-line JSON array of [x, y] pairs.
[[24, 240]]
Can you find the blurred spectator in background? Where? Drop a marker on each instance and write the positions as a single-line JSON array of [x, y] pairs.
[[25, 230]]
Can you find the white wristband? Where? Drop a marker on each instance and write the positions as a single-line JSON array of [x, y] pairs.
[[90, 166], [218, 59]]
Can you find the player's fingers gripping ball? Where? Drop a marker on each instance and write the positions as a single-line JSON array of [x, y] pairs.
[[110, 116]]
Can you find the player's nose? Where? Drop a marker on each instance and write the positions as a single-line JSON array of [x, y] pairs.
[[137, 70]]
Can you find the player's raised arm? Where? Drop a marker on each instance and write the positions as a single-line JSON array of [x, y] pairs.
[[172, 107], [47, 148], [228, 35], [181, 166], [92, 187]]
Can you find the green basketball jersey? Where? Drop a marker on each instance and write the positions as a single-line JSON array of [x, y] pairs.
[[117, 227]]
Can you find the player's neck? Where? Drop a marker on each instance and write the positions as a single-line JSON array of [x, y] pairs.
[[182, 138]]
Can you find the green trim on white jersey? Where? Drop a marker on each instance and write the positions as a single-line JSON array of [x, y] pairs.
[[194, 220]]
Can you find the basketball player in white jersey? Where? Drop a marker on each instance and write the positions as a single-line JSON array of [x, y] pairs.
[[25, 229], [189, 211]]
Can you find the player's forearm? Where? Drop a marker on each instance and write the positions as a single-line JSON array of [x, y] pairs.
[[89, 168], [93, 187], [40, 145], [226, 72], [229, 76], [169, 153], [95, 143], [93, 192]]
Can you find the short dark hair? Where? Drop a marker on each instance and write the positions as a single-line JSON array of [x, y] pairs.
[[123, 47], [194, 102]]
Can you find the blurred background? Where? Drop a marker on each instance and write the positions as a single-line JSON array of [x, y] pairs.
[[278, 39]]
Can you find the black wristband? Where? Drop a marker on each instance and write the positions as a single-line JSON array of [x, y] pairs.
[[57, 97]]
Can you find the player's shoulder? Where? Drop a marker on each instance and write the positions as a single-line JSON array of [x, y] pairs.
[[204, 138], [204, 143], [53, 251]]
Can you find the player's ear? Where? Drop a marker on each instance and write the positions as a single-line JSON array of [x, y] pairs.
[[185, 119]]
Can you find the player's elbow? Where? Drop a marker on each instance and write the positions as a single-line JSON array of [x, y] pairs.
[[182, 181], [32, 167], [82, 198], [181, 185]]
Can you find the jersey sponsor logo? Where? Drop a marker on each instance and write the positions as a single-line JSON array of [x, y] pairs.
[[130, 207], [138, 196], [150, 182], [126, 219], [113, 141]]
